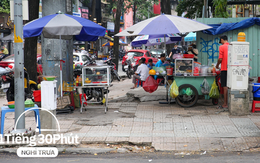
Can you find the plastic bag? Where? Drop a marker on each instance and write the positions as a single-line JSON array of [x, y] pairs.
[[189, 91], [177, 56], [214, 93], [205, 87], [174, 91], [150, 85]]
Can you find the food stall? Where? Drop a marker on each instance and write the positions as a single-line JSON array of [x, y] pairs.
[[96, 79], [189, 77]]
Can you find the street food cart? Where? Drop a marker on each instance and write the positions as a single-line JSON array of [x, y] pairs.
[[186, 78], [96, 79]]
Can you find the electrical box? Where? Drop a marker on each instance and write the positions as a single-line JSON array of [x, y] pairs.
[[238, 65], [49, 95]]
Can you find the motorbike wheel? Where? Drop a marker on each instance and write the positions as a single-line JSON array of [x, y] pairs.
[[9, 95], [128, 73]]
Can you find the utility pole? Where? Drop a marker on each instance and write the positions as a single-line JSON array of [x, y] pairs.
[[206, 8], [51, 57], [19, 66]]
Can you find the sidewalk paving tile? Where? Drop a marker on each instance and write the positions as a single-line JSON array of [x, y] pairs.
[[189, 146], [246, 127], [163, 126], [234, 144], [252, 142], [114, 105], [167, 146], [112, 139], [211, 144], [163, 134], [130, 110]]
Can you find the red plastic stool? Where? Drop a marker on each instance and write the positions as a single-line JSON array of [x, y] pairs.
[[159, 80], [85, 101], [255, 108]]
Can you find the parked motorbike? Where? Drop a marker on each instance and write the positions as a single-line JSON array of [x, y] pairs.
[[95, 93], [7, 84], [131, 66], [113, 71], [121, 54], [2, 56]]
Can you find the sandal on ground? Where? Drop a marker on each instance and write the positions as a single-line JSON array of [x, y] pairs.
[[221, 107], [132, 88]]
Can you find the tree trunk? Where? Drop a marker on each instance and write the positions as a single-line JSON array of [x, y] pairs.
[[117, 27], [134, 12], [166, 9], [30, 46], [93, 10]]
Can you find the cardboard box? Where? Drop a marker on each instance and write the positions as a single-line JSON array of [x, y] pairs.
[[62, 102]]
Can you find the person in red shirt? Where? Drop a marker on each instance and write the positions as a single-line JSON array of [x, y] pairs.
[[223, 57]]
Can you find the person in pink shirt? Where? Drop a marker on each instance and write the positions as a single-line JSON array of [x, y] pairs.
[[223, 57]]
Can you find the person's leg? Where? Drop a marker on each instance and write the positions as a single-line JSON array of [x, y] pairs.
[[225, 88], [134, 80], [225, 105]]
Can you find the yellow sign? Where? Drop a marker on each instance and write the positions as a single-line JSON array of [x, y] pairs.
[[17, 39]]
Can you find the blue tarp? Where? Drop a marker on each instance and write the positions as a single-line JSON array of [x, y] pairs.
[[222, 28]]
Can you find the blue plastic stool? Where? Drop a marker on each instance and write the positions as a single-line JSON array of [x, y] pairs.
[[138, 83], [6, 109]]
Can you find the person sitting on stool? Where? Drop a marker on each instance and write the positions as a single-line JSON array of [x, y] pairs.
[[150, 64], [141, 73]]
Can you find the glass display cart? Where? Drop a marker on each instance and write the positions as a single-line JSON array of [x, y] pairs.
[[95, 82]]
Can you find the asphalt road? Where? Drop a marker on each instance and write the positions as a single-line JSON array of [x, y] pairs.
[[140, 158]]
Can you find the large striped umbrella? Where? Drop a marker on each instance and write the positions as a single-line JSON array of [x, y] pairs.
[[64, 26], [164, 24]]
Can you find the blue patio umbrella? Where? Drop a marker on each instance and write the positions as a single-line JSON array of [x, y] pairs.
[[63, 26], [190, 37]]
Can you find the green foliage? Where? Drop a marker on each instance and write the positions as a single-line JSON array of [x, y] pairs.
[[220, 8], [143, 7], [193, 7], [5, 6]]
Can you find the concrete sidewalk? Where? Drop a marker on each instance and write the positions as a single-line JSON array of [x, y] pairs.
[[161, 126]]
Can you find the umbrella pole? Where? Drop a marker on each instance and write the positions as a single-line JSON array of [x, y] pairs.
[[165, 46], [60, 69]]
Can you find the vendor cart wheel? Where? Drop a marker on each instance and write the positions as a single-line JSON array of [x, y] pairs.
[[214, 101], [185, 100]]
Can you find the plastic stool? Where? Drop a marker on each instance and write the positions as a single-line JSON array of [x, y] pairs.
[[6, 109], [84, 101], [159, 80], [255, 108], [139, 83]]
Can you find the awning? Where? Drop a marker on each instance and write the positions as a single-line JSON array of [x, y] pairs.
[[190, 37], [222, 28]]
